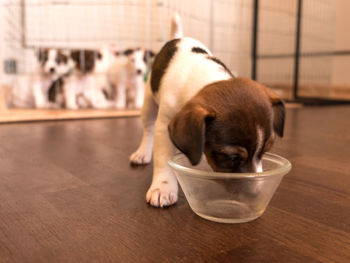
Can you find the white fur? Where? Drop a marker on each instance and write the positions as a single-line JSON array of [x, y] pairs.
[[176, 27], [21, 95], [260, 143], [187, 73], [125, 76]]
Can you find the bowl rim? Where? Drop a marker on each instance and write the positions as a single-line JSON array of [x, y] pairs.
[[283, 169]]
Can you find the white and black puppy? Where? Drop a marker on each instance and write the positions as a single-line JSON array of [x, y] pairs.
[[36, 90], [54, 64], [126, 77], [195, 104], [84, 88]]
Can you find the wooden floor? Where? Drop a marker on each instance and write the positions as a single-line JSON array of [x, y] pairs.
[[68, 194], [24, 115]]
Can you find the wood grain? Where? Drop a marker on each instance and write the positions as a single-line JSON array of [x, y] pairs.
[[68, 194]]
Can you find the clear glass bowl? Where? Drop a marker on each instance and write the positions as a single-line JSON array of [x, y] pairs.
[[229, 197]]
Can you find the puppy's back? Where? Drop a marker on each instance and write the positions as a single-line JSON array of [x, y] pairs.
[[183, 67]]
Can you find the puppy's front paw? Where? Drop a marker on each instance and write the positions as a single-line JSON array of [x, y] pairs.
[[72, 106], [138, 104], [141, 157], [120, 105], [162, 194]]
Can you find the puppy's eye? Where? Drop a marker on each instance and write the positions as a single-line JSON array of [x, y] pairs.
[[58, 61]]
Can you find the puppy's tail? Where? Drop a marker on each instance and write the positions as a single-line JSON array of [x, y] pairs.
[[176, 27]]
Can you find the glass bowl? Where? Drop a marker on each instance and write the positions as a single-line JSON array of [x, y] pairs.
[[229, 197]]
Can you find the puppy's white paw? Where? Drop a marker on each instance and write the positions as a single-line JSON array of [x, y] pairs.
[[120, 105], [72, 106], [138, 104], [141, 157], [162, 194], [42, 105]]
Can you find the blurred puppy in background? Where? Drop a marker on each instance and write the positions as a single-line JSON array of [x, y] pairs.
[[54, 64], [85, 87], [126, 77], [33, 90], [85, 78]]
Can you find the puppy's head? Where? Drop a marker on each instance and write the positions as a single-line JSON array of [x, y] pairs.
[[138, 60], [148, 56], [234, 122], [85, 60], [53, 62]]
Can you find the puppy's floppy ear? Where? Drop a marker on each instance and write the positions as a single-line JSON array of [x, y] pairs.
[[99, 55], [279, 112], [62, 56], [41, 54], [65, 52], [75, 55], [148, 55], [128, 51], [187, 131]]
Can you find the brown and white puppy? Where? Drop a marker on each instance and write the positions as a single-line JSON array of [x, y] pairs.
[[126, 77], [53, 65], [195, 104], [84, 88]]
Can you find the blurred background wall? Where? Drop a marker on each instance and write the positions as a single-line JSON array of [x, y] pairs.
[[225, 26], [222, 25], [341, 65]]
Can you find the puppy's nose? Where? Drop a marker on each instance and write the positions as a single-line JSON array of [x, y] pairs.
[[139, 72], [52, 70]]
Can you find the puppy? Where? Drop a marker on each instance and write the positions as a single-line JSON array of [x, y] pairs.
[[126, 77], [84, 88], [33, 90], [195, 104]]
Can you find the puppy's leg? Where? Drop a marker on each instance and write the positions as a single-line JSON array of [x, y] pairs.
[[164, 188], [98, 99], [121, 96], [143, 154], [140, 92], [70, 94], [39, 96]]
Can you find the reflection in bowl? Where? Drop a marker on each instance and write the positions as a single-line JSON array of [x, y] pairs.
[[229, 197]]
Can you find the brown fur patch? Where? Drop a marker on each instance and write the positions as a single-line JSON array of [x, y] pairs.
[[161, 63], [61, 58], [43, 55], [85, 59], [235, 107]]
